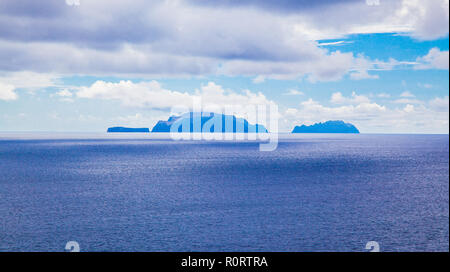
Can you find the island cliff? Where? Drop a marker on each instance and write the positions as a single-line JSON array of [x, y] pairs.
[[327, 127], [125, 129], [207, 122]]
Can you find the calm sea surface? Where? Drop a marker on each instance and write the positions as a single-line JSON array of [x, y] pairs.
[[135, 193]]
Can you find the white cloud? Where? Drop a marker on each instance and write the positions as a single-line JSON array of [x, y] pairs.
[[408, 108], [425, 85], [429, 19], [139, 119], [333, 67], [291, 112], [361, 67], [73, 2], [364, 74], [322, 66], [383, 95], [338, 98], [425, 20], [127, 60], [142, 94], [407, 94], [373, 2], [178, 38], [29, 80], [7, 92], [359, 110], [64, 93], [259, 79], [407, 101], [435, 59], [293, 92], [440, 104], [215, 94], [152, 95], [391, 64], [338, 43]]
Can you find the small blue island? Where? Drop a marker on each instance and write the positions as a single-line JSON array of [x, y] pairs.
[[327, 127], [207, 122], [126, 129]]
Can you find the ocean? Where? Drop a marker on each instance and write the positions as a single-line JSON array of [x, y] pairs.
[[147, 193]]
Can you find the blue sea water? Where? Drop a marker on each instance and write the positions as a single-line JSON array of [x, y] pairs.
[[314, 193]]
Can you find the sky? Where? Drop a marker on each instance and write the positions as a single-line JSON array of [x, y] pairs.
[[85, 65]]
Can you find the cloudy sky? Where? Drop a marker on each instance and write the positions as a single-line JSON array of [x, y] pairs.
[[85, 65]]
